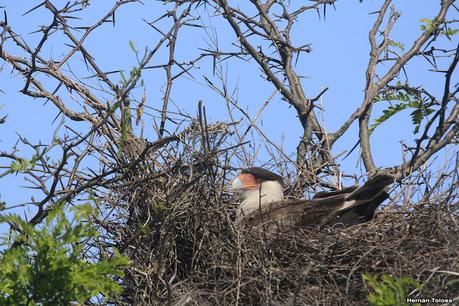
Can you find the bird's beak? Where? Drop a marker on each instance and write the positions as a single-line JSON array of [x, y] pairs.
[[241, 184], [236, 184]]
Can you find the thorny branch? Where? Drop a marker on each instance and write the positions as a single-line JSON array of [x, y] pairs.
[[155, 195], [373, 86], [316, 144], [61, 183]]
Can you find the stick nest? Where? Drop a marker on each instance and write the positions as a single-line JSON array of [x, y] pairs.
[[174, 218]]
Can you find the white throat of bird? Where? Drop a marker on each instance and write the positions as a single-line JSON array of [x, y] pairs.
[[255, 197]]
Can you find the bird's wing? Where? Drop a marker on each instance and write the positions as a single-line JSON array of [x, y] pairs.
[[350, 206], [285, 214]]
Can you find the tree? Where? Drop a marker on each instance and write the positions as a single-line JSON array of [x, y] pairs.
[[46, 267], [155, 194]]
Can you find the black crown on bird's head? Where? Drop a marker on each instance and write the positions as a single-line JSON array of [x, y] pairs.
[[251, 178]]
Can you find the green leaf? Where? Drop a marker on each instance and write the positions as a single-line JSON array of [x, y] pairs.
[[426, 20], [397, 44], [429, 25], [134, 72], [408, 100], [131, 44], [392, 110], [418, 115], [20, 165], [123, 78], [449, 32]]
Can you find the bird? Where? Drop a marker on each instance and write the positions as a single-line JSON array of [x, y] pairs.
[[262, 202], [257, 187]]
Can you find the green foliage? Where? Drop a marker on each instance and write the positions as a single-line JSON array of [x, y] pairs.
[[397, 44], [449, 32], [388, 290], [134, 73], [427, 25], [47, 267], [21, 165], [409, 101], [131, 44]]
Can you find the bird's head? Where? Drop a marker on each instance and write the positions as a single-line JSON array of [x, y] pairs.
[[256, 185], [245, 181], [252, 178]]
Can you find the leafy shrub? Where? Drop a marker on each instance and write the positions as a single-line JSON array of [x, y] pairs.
[[388, 290], [46, 265]]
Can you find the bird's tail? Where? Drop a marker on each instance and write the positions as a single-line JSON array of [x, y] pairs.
[[360, 204], [373, 188]]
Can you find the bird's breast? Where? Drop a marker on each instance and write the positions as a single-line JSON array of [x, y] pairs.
[[253, 200]]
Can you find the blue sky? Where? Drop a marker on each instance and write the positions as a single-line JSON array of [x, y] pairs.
[[338, 61]]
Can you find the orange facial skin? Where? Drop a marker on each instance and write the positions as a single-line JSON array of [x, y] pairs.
[[248, 181]]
